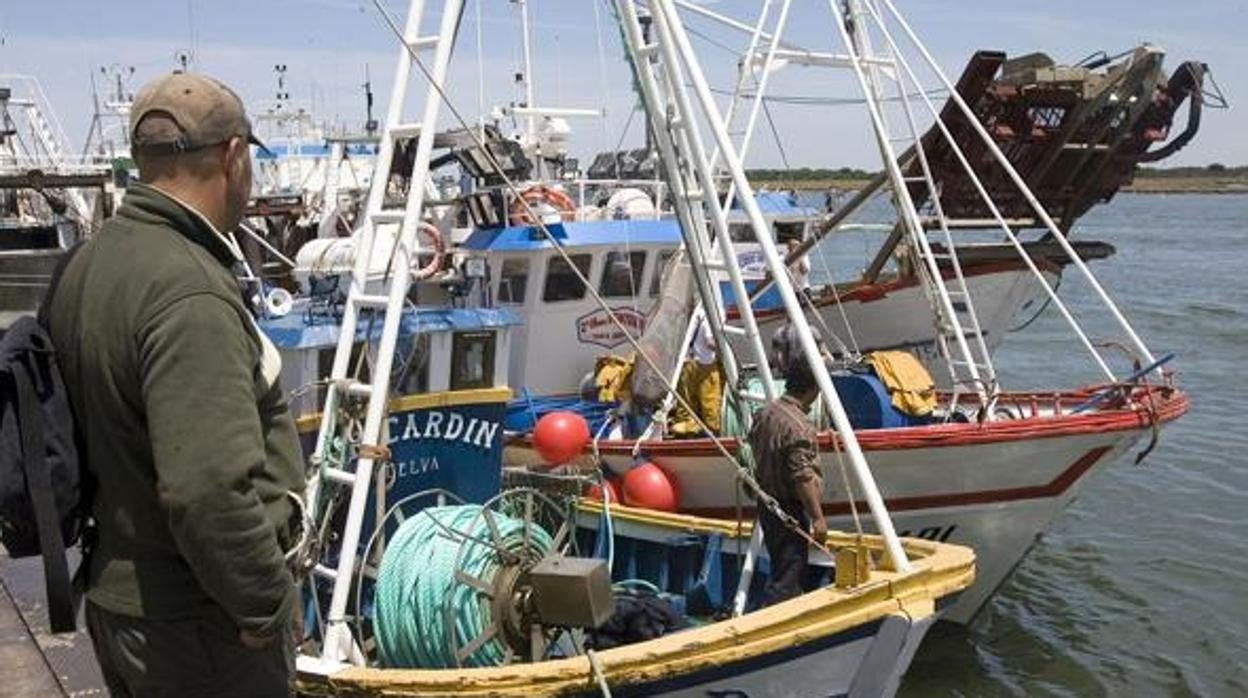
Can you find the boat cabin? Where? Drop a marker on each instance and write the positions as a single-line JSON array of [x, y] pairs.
[[624, 260], [448, 390]]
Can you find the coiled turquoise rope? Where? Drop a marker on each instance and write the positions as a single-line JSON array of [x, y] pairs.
[[417, 575]]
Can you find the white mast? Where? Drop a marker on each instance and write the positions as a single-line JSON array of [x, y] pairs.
[[364, 304], [663, 68]]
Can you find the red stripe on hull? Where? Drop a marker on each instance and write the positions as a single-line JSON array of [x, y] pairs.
[[1058, 486], [1169, 404]]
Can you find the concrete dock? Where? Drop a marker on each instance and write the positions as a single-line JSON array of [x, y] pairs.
[[35, 662]]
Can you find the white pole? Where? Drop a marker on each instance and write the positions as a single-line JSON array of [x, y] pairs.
[[531, 123], [710, 199], [776, 266]]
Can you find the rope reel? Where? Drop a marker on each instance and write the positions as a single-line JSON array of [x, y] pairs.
[[452, 588]]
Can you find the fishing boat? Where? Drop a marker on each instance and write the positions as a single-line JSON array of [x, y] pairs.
[[980, 465], [309, 180], [425, 579], [443, 439], [1052, 121], [49, 197], [993, 486]]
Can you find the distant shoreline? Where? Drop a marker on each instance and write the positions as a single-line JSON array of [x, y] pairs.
[[1141, 185]]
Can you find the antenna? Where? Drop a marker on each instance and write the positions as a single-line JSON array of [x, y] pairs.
[[370, 124], [282, 95], [182, 57], [95, 116]]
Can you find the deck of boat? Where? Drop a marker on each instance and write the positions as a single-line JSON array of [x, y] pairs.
[[37, 662]]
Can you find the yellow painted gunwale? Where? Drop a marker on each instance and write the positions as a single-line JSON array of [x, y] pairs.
[[423, 401], [938, 569]]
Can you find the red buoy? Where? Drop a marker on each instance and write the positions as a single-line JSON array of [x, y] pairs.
[[612, 489], [560, 436], [648, 486]]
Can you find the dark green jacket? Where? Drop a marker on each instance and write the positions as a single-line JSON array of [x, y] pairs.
[[186, 426]]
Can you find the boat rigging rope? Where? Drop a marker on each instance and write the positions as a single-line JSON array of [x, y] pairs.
[[742, 474], [424, 613], [599, 675]]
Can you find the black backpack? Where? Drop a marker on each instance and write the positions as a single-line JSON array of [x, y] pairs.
[[44, 489]]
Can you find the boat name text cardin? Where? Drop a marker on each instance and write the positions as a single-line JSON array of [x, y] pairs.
[[446, 426]]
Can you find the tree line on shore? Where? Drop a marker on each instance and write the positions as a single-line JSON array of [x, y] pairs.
[[806, 174]]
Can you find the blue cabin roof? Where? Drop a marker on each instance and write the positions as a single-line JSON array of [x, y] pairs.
[[519, 238], [295, 330], [283, 149], [778, 203]]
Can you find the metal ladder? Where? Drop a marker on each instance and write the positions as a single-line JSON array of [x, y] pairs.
[[361, 305], [968, 361], [662, 66]]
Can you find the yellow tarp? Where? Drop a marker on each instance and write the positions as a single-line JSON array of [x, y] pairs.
[[611, 374], [702, 386], [909, 384]]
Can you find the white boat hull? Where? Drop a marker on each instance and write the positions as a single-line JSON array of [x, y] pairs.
[[864, 661], [994, 487]]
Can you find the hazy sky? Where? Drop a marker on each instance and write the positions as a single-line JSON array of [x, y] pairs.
[[326, 45]]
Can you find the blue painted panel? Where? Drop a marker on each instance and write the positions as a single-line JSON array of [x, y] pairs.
[[519, 238], [457, 448]]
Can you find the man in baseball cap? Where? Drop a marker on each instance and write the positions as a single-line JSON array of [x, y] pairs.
[[186, 428], [189, 135], [204, 111]]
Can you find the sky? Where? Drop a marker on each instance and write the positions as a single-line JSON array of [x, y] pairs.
[[328, 45]]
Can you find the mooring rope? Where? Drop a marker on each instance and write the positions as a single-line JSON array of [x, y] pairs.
[[424, 613]]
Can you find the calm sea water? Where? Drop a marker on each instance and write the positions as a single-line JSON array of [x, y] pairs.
[[1141, 587]]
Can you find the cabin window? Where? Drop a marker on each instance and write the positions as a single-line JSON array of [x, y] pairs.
[[741, 232], [513, 281], [410, 375], [621, 274], [562, 283], [790, 231], [660, 266], [472, 360]]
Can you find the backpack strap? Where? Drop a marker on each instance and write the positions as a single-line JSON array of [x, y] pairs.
[[39, 486]]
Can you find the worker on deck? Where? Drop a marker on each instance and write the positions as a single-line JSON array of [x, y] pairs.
[[701, 386], [185, 426], [799, 268], [784, 444]]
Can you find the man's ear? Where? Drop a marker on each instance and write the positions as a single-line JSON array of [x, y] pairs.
[[235, 148]]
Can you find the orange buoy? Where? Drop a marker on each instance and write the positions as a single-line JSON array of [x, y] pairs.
[[541, 194], [650, 487], [612, 488], [560, 436]]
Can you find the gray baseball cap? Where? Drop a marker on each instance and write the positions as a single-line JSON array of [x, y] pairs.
[[205, 111]]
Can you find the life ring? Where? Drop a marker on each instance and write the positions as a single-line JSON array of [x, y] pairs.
[[439, 251], [519, 212]]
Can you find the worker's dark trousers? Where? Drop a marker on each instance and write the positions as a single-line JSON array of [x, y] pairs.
[[788, 553], [192, 657]]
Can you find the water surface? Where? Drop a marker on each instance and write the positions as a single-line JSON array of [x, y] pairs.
[[1141, 587]]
